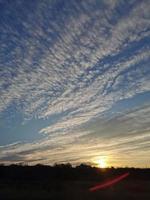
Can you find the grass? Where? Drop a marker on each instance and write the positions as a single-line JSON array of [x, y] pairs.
[[75, 190], [67, 183]]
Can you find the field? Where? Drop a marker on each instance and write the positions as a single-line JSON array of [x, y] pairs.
[[26, 183]]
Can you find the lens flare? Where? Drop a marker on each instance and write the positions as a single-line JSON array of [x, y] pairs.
[[108, 183]]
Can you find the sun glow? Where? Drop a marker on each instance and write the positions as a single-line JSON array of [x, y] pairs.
[[101, 163]]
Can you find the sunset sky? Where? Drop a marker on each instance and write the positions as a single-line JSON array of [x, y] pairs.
[[75, 82]]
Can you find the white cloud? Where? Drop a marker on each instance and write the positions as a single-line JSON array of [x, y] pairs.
[[82, 71]]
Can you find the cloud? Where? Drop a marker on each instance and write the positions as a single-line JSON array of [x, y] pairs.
[[122, 134], [77, 63]]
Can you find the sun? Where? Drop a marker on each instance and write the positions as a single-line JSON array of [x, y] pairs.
[[101, 163]]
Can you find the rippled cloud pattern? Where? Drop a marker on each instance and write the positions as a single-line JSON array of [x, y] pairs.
[[75, 81]]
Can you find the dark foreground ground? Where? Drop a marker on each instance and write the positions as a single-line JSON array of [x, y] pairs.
[[65, 182]]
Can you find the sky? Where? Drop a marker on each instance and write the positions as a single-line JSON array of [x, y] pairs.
[[75, 82]]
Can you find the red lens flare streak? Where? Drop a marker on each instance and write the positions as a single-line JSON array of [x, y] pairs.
[[108, 183]]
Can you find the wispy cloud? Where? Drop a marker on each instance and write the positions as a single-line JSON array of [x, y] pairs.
[[77, 62]]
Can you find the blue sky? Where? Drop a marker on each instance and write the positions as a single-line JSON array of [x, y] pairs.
[[74, 81]]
